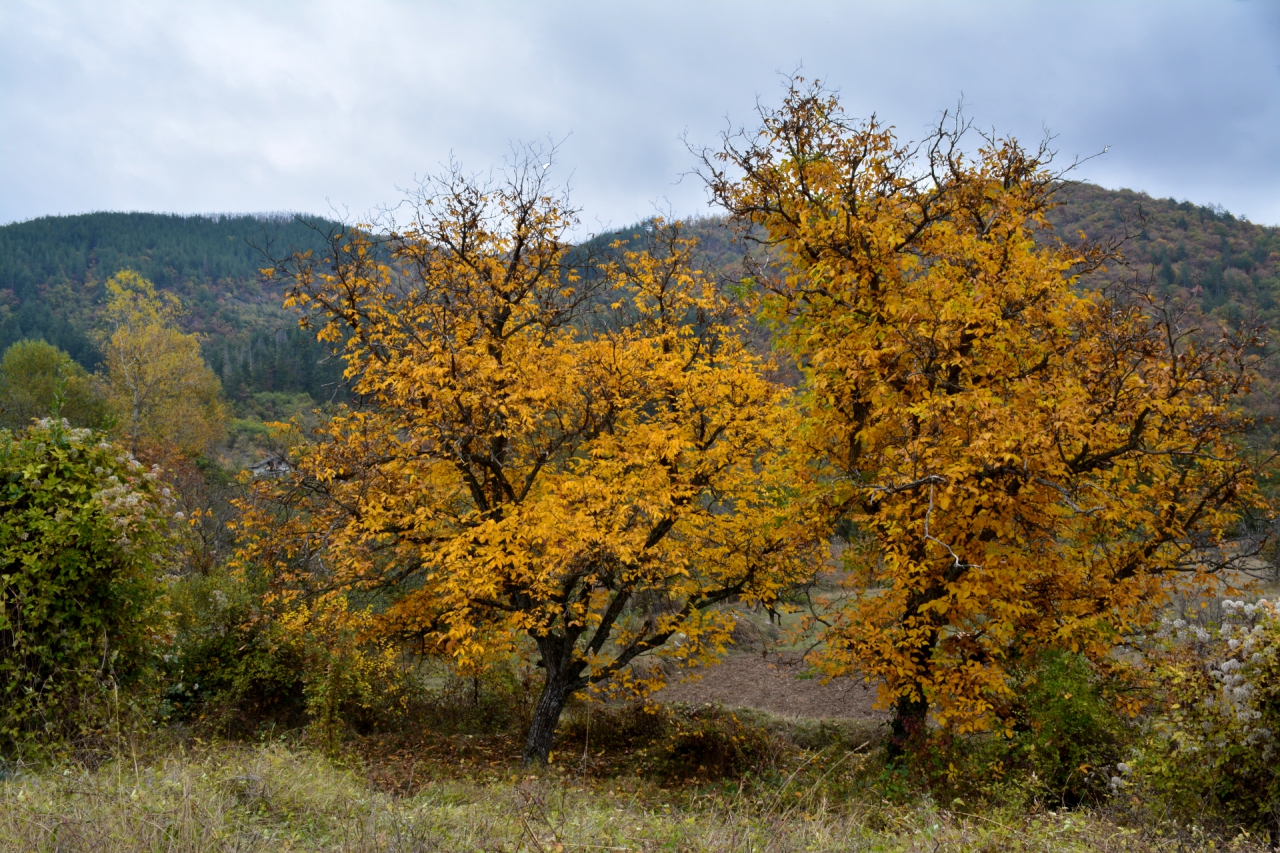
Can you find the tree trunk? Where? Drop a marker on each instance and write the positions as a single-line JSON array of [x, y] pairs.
[[910, 716], [555, 693], [134, 428]]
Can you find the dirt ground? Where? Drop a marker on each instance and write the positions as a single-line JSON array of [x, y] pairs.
[[774, 683]]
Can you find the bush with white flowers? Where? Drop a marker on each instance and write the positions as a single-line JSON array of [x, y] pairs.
[[1214, 749], [83, 529]]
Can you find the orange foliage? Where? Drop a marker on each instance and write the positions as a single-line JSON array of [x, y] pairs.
[[1027, 465], [581, 452]]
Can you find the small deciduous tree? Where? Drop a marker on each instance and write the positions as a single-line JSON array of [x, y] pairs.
[[1028, 465], [159, 387], [578, 452], [36, 378]]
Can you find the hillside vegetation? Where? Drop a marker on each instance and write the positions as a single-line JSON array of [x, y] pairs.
[[51, 270], [1230, 266]]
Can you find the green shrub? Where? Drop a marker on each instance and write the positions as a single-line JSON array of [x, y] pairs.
[[1213, 751], [1064, 739], [82, 530], [1069, 733], [228, 670], [353, 679], [36, 378], [241, 663]]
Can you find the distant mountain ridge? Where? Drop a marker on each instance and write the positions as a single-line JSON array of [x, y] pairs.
[[51, 270], [1235, 263]]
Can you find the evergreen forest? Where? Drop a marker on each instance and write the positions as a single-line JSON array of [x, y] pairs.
[[52, 270]]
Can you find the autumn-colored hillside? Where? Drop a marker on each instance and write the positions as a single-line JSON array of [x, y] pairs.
[[1230, 266]]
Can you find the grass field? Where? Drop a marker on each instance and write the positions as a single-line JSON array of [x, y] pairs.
[[202, 798]]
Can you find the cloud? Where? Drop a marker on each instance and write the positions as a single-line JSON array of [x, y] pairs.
[[234, 106]]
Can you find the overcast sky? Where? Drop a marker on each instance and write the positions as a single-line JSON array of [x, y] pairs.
[[320, 106]]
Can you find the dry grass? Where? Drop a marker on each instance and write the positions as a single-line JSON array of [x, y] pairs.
[[273, 798]]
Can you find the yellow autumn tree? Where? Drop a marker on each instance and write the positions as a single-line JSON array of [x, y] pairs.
[[569, 449], [161, 391], [1026, 465]]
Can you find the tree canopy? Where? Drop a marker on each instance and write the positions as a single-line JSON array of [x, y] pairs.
[[1025, 464], [159, 388], [583, 456], [36, 378]]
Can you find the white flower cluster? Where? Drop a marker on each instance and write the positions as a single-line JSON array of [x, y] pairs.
[[1178, 629], [121, 501], [76, 434], [122, 505], [1118, 781], [124, 488], [1229, 653]]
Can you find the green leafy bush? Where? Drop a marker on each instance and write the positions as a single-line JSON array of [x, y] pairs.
[[1214, 750], [228, 669], [1069, 732], [242, 663], [1063, 744], [83, 528], [36, 378]]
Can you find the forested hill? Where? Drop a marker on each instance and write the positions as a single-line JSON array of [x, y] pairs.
[[1234, 263], [52, 270], [1230, 265], [1227, 264]]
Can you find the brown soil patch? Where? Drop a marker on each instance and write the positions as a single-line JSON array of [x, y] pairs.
[[773, 684]]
